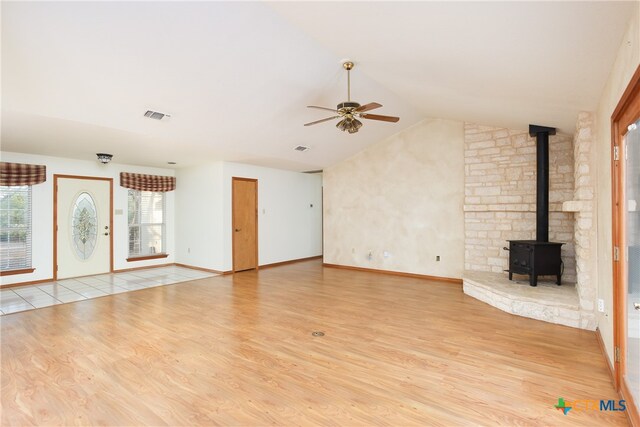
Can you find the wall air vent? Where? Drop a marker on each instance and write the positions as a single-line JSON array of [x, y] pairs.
[[156, 115], [301, 148]]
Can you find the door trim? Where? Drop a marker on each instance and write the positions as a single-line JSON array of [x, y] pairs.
[[55, 218], [626, 112], [233, 224]]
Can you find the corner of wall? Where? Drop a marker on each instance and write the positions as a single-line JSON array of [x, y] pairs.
[[198, 212], [627, 61]]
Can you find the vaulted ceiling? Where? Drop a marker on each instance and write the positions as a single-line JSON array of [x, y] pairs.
[[77, 77]]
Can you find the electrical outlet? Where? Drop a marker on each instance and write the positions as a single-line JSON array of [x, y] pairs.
[[370, 255], [386, 254], [600, 305], [188, 250], [353, 250]]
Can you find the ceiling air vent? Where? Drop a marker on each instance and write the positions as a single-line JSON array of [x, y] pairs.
[[156, 115], [301, 148]]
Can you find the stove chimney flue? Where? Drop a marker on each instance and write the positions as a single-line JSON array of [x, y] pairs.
[[542, 177]]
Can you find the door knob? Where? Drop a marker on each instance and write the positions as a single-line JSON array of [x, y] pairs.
[[636, 305], [237, 229], [106, 234]]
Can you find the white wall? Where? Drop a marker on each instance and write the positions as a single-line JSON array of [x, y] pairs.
[[288, 226], [403, 195], [626, 63], [42, 212], [198, 224], [199, 217]]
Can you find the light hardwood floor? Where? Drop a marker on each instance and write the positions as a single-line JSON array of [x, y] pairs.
[[238, 350]]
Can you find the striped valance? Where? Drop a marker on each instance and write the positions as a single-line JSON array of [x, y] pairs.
[[137, 181], [19, 174]]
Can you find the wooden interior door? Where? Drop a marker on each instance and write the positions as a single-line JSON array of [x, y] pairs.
[[626, 245], [244, 198]]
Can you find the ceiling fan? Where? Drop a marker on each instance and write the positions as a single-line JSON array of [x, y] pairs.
[[350, 111]]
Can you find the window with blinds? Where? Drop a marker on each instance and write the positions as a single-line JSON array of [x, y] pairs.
[[146, 213], [15, 227]]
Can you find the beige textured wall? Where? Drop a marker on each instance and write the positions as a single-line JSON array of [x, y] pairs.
[[403, 195], [626, 63], [500, 195]]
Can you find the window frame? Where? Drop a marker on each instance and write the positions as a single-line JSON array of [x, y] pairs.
[[141, 257], [28, 264]]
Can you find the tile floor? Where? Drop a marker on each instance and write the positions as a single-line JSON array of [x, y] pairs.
[[23, 298]]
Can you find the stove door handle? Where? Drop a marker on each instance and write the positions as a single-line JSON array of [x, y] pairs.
[[506, 248]]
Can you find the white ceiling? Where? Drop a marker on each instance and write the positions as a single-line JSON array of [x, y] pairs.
[[77, 77]]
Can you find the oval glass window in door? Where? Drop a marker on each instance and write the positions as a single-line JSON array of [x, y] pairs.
[[84, 226]]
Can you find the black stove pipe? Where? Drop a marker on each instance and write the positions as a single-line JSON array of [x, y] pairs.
[[542, 178]]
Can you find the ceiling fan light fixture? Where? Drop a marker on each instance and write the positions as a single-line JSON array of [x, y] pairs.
[[349, 125], [348, 111], [354, 126]]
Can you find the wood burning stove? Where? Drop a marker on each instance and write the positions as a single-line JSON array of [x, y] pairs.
[[535, 259], [538, 257]]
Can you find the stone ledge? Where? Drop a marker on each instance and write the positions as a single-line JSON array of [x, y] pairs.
[[547, 302], [510, 207], [577, 206]]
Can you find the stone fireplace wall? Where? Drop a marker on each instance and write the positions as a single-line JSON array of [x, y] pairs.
[[582, 207], [500, 195]]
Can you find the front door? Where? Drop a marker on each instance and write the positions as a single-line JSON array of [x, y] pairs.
[[245, 223], [83, 226]]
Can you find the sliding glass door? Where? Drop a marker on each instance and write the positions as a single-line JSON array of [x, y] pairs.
[[631, 309]]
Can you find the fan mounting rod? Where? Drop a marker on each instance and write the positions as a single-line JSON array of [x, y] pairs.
[[348, 65]]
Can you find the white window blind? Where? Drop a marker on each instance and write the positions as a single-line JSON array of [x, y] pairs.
[[146, 213], [15, 227]]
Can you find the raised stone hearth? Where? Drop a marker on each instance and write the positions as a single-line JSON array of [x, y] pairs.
[[500, 195], [548, 301]]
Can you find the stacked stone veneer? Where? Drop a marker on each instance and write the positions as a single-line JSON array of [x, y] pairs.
[[583, 207], [500, 195]]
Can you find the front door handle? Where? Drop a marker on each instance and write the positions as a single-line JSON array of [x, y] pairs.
[[636, 305]]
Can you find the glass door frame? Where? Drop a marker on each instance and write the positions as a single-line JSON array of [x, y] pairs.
[[626, 113]]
